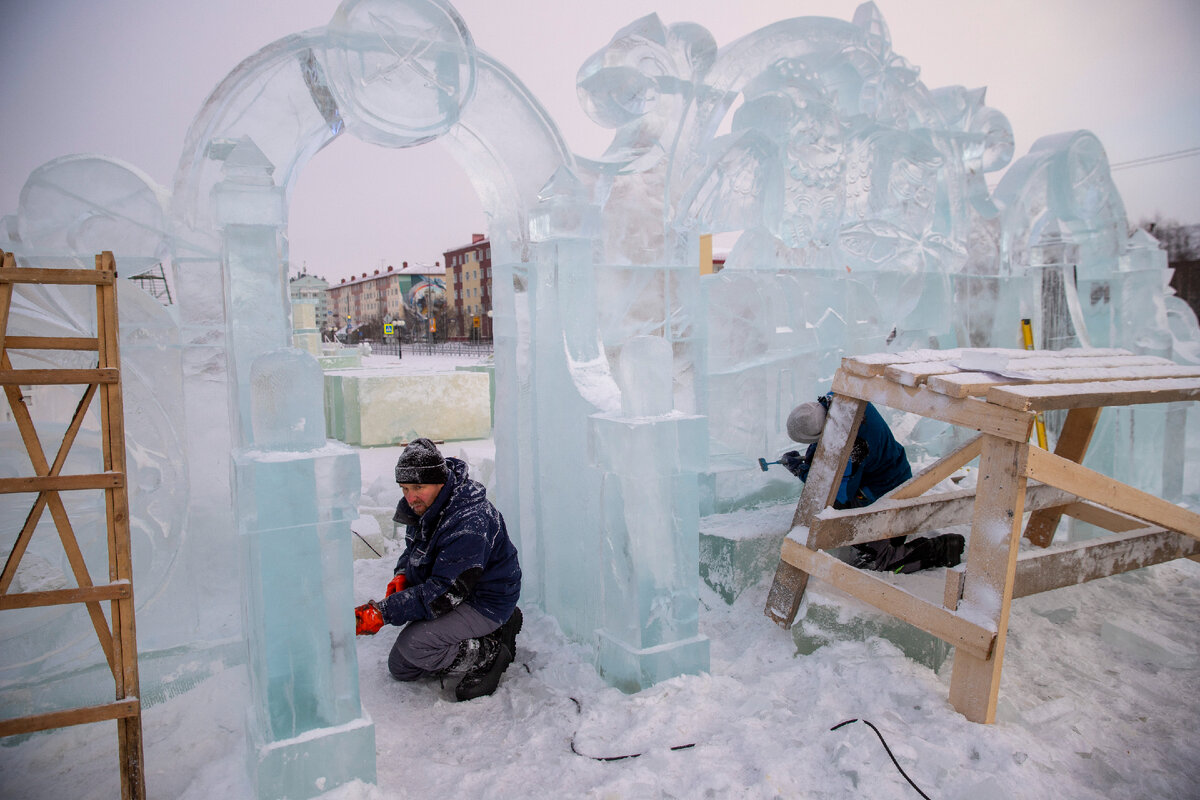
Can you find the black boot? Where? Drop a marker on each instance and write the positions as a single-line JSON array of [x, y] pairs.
[[507, 632], [938, 551], [492, 657]]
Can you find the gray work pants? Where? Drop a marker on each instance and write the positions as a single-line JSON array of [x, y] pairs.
[[428, 645]]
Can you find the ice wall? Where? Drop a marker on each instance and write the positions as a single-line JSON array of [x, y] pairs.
[[634, 395]]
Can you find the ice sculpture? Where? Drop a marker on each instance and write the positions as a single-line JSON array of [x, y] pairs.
[[634, 395]]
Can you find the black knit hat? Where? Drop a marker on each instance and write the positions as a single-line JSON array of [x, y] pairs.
[[421, 463]]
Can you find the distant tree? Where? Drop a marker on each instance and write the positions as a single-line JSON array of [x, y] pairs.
[[371, 329], [1182, 242]]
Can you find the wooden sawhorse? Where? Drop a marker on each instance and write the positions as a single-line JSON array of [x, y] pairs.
[[1014, 477]]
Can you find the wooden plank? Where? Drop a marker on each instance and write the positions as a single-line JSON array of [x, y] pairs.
[[92, 594], [785, 594], [74, 716], [1052, 396], [820, 490], [100, 480], [936, 472], [51, 343], [1110, 493], [1102, 517], [968, 383], [952, 594], [917, 373], [874, 364], [1084, 511], [967, 636], [57, 377], [886, 518], [1042, 570], [125, 672], [965, 413], [6, 291], [1072, 445], [72, 277], [990, 572]]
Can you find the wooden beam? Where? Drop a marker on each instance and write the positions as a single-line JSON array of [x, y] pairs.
[[57, 377], [936, 472], [75, 277], [1110, 493], [967, 636], [820, 490], [1072, 444], [51, 343], [92, 594], [75, 716], [6, 292], [100, 480], [990, 572], [1063, 369], [1102, 517], [1068, 565], [1053, 396], [966, 413], [884, 519]]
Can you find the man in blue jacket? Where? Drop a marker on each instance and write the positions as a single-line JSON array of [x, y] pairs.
[[457, 582], [877, 465]]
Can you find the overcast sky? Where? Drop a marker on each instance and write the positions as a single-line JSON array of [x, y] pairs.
[[125, 78]]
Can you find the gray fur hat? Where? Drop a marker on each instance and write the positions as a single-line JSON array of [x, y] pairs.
[[421, 463], [806, 422]]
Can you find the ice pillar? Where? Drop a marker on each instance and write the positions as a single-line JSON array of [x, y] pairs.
[[297, 494], [650, 457], [249, 209]]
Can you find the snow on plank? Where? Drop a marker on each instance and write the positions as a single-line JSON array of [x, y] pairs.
[[1052, 396], [917, 373], [968, 384], [870, 366], [875, 364]]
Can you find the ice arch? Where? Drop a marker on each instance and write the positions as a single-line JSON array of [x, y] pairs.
[[635, 394]]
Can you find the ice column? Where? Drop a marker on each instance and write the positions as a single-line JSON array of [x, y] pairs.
[[297, 494], [250, 211], [650, 456]]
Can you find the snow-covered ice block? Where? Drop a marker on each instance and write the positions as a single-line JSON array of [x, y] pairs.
[[346, 358], [377, 408], [828, 615], [739, 548]]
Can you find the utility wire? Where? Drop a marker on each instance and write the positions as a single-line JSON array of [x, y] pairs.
[[1161, 158], [1146, 161]]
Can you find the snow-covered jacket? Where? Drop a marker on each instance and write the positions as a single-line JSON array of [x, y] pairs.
[[457, 551]]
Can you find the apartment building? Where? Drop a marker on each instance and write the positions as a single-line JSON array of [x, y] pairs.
[[469, 289]]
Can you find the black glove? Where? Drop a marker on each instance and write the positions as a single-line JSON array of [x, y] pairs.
[[860, 451], [794, 463]]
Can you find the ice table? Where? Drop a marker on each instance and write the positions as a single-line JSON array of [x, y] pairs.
[[1014, 477]]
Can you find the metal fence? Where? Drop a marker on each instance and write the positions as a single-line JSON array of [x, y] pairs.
[[447, 348]]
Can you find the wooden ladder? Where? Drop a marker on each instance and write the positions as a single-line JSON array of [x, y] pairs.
[[118, 643]]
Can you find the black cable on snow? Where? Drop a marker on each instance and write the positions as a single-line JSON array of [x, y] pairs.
[[888, 749], [579, 710]]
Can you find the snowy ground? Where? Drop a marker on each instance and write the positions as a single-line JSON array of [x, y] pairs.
[[1100, 694]]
